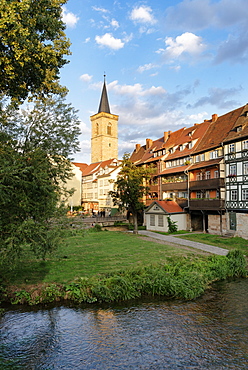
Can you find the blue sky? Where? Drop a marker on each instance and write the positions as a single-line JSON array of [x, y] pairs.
[[168, 64]]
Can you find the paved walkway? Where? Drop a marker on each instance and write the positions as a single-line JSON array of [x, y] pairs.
[[188, 243]]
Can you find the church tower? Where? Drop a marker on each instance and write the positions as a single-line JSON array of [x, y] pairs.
[[104, 131]]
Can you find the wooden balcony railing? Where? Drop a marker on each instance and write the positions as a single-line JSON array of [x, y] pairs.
[[206, 204], [207, 184]]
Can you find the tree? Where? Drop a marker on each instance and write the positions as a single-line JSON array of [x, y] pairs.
[[32, 47], [130, 188], [35, 145]]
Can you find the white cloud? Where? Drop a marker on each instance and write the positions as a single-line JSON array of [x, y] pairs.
[[187, 43], [114, 24], [146, 67], [101, 10], [85, 77], [109, 41], [142, 14], [69, 18]]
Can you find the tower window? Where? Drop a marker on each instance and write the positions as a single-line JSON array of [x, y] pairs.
[[109, 144], [109, 129]]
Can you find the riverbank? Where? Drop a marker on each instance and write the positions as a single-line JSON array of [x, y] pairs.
[[115, 266]]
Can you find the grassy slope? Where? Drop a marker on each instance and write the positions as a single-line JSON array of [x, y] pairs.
[[93, 253]]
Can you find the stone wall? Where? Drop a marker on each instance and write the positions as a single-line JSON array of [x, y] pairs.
[[214, 224], [242, 225]]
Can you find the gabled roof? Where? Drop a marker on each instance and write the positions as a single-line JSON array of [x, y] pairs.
[[242, 122], [94, 167], [145, 154], [168, 206], [82, 166], [218, 131]]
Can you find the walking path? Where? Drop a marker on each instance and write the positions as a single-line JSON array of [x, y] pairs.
[[188, 243]]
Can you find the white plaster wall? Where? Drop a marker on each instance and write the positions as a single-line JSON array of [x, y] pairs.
[[180, 218], [75, 183]]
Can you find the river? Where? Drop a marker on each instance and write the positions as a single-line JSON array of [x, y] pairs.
[[208, 333]]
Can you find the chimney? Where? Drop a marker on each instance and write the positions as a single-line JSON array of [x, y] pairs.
[[148, 143], [214, 117], [137, 148], [166, 135]]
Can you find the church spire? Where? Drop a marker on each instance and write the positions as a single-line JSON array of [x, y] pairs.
[[104, 104]]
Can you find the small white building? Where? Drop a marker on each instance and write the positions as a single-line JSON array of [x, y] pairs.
[[156, 216]]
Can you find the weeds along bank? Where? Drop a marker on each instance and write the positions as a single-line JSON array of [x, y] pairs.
[[180, 277]]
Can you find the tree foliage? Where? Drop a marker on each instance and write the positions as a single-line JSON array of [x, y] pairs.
[[130, 188], [32, 47], [35, 145]]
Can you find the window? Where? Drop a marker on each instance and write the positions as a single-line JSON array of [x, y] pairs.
[[109, 129], [231, 148], [198, 194], [245, 144], [245, 194], [181, 148], [207, 175], [199, 176], [152, 220], [160, 220], [207, 194], [197, 158], [217, 194], [97, 128], [203, 157], [239, 128], [234, 194], [214, 154], [216, 174], [232, 170], [190, 145], [245, 168]]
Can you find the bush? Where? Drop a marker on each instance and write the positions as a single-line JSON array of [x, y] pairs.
[[172, 225]]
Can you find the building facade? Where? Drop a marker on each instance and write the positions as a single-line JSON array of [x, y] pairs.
[[204, 169]]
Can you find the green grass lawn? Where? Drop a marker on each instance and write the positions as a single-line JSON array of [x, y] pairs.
[[92, 253], [219, 241]]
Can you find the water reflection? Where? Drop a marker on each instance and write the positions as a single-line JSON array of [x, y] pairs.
[[209, 333]]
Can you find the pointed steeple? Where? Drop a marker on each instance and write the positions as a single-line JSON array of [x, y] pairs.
[[104, 104]]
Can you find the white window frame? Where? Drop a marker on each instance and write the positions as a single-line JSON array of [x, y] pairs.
[[244, 194], [234, 194]]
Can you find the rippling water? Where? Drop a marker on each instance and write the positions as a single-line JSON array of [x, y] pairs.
[[209, 333]]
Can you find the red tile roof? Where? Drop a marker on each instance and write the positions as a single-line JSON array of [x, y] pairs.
[[169, 206], [218, 130], [242, 122], [82, 166]]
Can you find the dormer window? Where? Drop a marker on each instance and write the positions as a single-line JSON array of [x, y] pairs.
[[239, 128], [190, 145]]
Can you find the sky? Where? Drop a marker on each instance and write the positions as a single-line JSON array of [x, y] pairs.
[[168, 64]]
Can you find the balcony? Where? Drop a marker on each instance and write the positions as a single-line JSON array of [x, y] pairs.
[[153, 188], [207, 184], [171, 186], [206, 204]]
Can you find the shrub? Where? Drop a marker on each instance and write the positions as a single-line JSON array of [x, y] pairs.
[[172, 225]]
